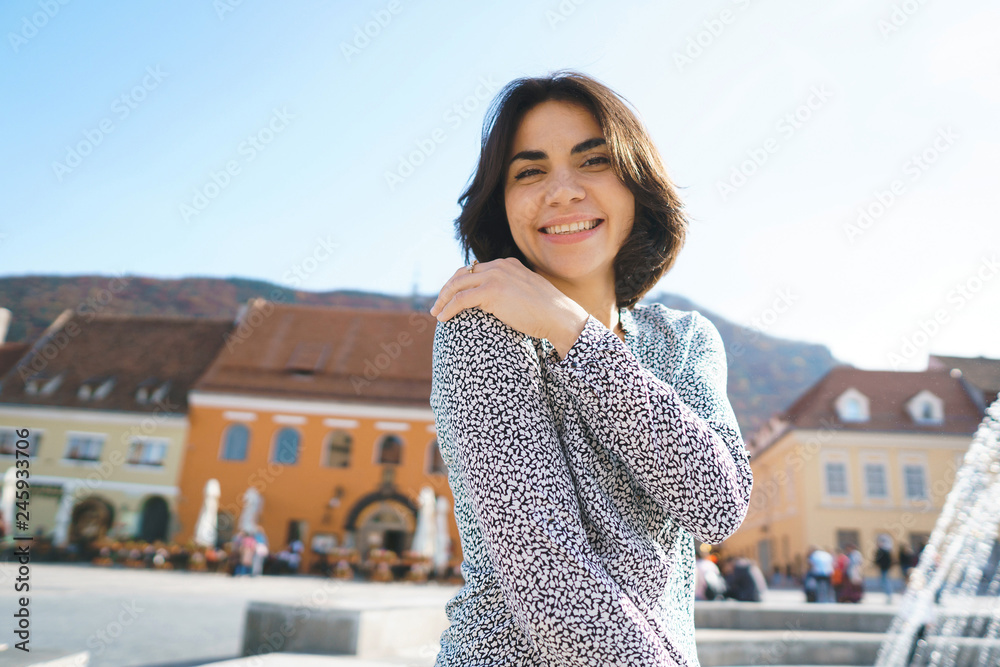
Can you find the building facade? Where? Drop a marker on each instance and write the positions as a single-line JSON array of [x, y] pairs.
[[325, 412], [861, 453], [104, 400]]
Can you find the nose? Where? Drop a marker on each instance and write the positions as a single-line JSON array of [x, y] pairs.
[[564, 187]]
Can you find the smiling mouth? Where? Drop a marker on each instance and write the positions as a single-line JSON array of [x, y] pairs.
[[561, 230]]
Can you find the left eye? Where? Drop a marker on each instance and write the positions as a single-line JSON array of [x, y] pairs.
[[597, 159]]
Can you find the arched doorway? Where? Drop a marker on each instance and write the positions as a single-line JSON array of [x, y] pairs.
[[92, 519], [383, 520], [154, 520]]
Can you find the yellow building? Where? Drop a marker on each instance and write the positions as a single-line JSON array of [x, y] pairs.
[[104, 399], [859, 454]]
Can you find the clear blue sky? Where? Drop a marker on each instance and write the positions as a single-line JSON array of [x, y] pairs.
[[718, 84]]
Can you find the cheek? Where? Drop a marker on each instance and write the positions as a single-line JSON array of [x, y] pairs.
[[521, 211]]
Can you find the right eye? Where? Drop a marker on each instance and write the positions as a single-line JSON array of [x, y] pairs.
[[531, 171]]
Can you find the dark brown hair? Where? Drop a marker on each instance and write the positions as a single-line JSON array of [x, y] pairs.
[[660, 225]]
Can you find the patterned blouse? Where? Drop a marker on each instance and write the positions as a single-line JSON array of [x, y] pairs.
[[579, 483]]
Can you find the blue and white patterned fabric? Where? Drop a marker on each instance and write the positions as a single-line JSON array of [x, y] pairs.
[[579, 483]]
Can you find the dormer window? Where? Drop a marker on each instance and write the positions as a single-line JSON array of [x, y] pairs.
[[161, 392], [852, 406], [307, 359], [926, 408], [144, 389], [95, 388], [50, 387]]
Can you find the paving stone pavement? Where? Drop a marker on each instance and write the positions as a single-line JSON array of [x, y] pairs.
[[150, 618], [146, 618]]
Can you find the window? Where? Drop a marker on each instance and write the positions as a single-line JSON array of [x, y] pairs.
[[147, 452], [338, 450], [836, 478], [234, 443], [286, 447], [926, 408], [852, 406], [104, 389], [84, 447], [875, 482], [846, 537], [915, 481], [436, 465], [391, 450], [9, 440]]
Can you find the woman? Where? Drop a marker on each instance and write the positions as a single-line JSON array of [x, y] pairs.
[[587, 439]]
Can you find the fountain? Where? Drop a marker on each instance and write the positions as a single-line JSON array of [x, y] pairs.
[[950, 614]]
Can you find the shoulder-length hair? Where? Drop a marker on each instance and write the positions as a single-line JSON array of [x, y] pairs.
[[660, 226]]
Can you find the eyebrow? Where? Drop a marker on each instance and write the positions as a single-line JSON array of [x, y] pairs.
[[540, 155]]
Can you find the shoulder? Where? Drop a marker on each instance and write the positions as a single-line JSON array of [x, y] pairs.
[[680, 332]]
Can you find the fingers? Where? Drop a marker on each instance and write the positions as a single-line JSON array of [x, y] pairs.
[[461, 281]]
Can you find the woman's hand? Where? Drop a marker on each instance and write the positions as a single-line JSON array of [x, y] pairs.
[[518, 297]]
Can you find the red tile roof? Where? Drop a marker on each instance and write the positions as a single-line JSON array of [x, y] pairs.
[[131, 351], [888, 393], [982, 372], [311, 352], [9, 354]]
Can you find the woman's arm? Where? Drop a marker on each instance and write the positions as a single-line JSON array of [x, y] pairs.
[[682, 443], [491, 410]]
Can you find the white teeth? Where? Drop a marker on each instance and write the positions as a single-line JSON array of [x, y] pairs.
[[573, 227]]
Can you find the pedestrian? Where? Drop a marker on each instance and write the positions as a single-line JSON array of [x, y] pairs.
[[260, 552], [247, 550], [744, 580], [850, 563], [592, 437], [883, 560], [709, 583], [907, 561], [821, 572]]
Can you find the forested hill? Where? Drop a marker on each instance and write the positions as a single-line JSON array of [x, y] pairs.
[[766, 374]]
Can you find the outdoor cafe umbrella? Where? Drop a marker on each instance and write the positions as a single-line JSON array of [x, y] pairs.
[[424, 536], [206, 530]]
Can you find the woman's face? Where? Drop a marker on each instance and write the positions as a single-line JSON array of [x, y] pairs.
[[560, 173]]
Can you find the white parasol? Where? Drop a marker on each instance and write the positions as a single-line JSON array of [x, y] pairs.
[[206, 531], [252, 504], [424, 536]]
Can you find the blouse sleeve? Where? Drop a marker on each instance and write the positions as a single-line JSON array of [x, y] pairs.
[[682, 443], [491, 409]]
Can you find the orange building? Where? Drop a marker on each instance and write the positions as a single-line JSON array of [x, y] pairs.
[[326, 413]]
